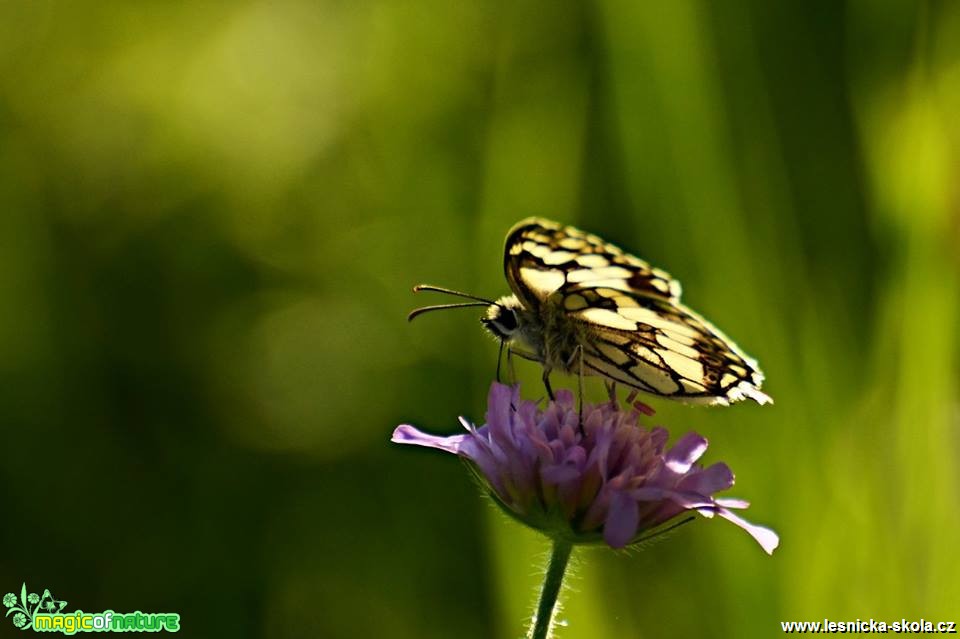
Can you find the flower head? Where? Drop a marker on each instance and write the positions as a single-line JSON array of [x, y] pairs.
[[9, 600], [610, 479], [33, 598], [19, 620]]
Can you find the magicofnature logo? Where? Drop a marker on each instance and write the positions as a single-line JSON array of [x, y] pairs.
[[44, 613]]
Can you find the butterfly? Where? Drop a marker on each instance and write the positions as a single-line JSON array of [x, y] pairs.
[[583, 306], [49, 604]]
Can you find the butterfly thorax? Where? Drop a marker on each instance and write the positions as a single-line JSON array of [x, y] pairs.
[[547, 335]]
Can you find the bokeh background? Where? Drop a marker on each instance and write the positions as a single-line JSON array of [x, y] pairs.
[[211, 217]]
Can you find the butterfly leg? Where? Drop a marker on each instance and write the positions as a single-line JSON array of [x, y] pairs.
[[513, 376], [579, 353], [500, 359], [546, 383], [611, 391], [511, 369]]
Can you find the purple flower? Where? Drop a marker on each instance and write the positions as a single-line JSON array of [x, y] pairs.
[[613, 480]]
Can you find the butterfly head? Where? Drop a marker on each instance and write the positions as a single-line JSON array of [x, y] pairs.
[[502, 318]]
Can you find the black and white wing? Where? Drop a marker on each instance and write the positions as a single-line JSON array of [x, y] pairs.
[[633, 328]]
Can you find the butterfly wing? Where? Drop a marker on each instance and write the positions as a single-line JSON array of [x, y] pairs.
[[663, 348], [634, 330], [541, 257]]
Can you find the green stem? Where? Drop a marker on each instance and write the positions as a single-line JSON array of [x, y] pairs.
[[559, 557]]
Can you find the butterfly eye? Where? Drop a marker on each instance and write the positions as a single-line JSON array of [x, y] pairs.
[[508, 320], [501, 321]]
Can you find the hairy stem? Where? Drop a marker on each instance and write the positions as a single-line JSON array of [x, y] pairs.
[[552, 582]]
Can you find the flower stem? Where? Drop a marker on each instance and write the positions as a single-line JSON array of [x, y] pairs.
[[559, 557]]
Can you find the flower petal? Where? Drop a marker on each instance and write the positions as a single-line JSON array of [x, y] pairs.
[[499, 410], [730, 502], [564, 398], [710, 480], [623, 517], [686, 452], [690, 500], [649, 493], [559, 473], [767, 539], [407, 434]]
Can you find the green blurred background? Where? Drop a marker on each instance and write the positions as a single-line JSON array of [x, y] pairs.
[[211, 216]]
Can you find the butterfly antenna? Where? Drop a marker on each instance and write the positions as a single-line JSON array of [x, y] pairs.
[[439, 307], [449, 291]]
